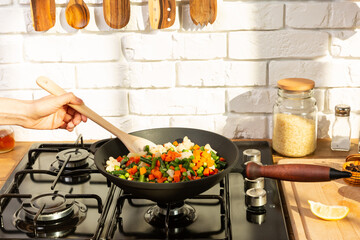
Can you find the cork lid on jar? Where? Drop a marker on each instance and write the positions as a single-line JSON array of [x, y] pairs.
[[296, 84]]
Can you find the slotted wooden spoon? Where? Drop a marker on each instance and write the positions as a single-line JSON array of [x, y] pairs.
[[203, 11], [43, 14], [162, 13], [77, 14], [133, 143], [116, 13]]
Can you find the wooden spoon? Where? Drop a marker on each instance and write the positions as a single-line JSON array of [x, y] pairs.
[[133, 143], [203, 11], [77, 14], [162, 13], [43, 14], [116, 13]]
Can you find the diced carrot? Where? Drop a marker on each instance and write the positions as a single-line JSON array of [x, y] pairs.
[[137, 159], [210, 162], [160, 180], [132, 170], [177, 173], [157, 174], [119, 159], [176, 178], [158, 163], [151, 177], [206, 172], [142, 171], [175, 143], [196, 147], [172, 167], [182, 169]]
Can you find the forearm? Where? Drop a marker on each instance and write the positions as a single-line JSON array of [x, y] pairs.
[[14, 111]]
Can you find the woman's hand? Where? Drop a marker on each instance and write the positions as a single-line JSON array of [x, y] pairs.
[[52, 112]]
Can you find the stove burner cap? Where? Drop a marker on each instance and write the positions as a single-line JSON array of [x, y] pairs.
[[56, 206], [59, 217], [180, 216], [78, 157]]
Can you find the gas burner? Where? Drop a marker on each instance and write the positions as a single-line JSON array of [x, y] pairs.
[[49, 215], [78, 160], [78, 157], [179, 215]]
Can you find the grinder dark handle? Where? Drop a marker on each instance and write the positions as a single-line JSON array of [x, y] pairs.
[[294, 172]]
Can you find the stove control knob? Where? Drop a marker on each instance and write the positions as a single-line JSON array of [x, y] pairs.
[[255, 198], [253, 155], [256, 183]]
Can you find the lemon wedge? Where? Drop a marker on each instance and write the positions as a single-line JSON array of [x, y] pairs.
[[328, 212]]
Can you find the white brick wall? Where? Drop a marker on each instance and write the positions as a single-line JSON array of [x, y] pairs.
[[220, 77]]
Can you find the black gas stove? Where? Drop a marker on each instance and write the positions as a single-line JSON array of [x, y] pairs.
[[57, 192]]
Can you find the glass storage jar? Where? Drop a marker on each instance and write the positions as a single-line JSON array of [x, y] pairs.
[[295, 118], [7, 139]]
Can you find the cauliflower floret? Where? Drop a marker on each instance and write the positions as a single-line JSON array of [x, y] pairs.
[[111, 163], [138, 154], [170, 172], [185, 155], [169, 145], [185, 145], [208, 148]]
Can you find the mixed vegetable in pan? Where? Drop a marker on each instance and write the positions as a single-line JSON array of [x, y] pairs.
[[171, 162]]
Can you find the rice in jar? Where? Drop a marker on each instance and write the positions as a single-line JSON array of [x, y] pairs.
[[295, 118]]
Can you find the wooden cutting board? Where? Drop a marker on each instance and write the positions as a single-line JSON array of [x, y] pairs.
[[307, 226]]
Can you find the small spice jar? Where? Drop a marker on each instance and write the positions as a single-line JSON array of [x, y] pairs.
[[341, 130], [7, 139], [295, 118]]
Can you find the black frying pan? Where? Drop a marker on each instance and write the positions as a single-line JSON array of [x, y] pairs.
[[175, 192]]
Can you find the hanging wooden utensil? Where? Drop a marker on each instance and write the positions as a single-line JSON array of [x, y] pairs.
[[77, 14], [43, 14], [116, 13], [162, 13], [203, 11]]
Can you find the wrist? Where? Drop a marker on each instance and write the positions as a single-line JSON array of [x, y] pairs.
[[14, 112]]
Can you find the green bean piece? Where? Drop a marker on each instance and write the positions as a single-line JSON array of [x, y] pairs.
[[162, 164], [153, 163], [119, 172], [145, 160], [124, 160]]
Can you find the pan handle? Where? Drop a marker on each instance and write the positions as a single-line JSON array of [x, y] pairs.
[[294, 172]]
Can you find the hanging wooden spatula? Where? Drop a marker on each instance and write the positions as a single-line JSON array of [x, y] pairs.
[[133, 143], [116, 13], [43, 14], [203, 11], [162, 13]]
